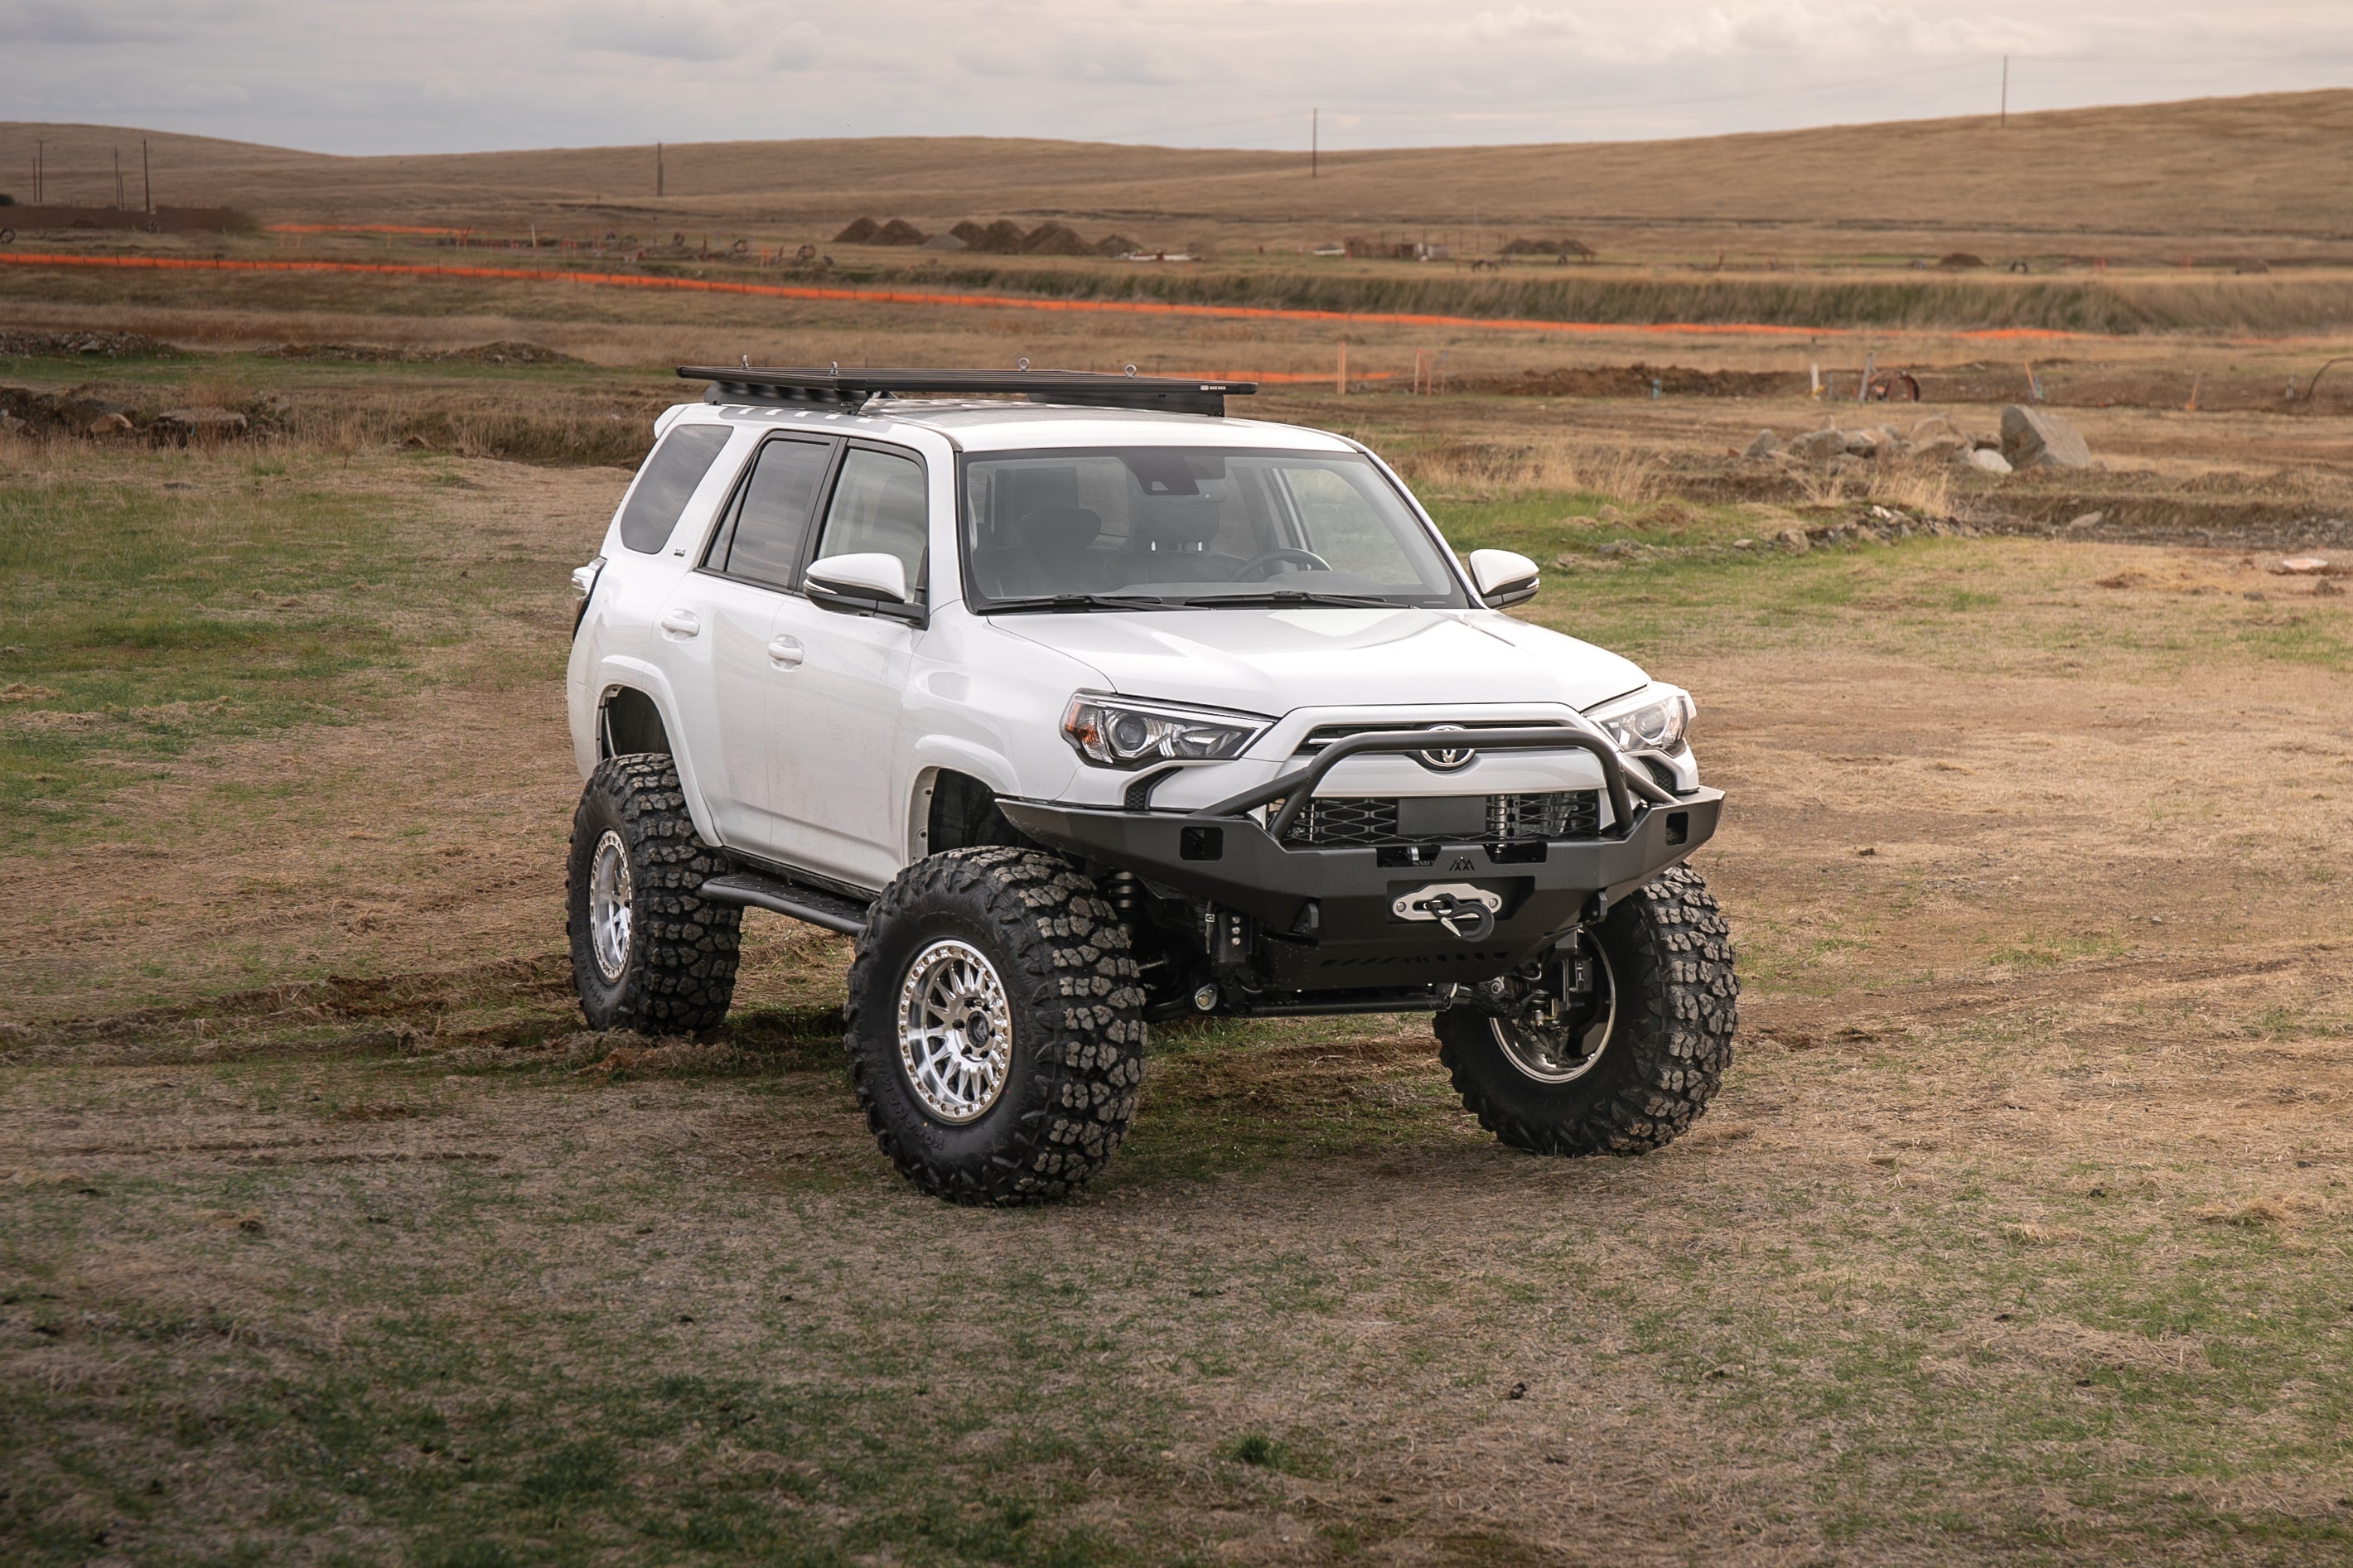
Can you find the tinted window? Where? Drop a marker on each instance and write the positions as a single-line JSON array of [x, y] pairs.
[[878, 508], [666, 481], [772, 519], [1191, 523]]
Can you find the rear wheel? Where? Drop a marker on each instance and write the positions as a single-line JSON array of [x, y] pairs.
[[647, 953], [996, 1035], [1630, 1058]]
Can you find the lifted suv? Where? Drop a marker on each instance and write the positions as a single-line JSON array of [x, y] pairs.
[[1101, 707]]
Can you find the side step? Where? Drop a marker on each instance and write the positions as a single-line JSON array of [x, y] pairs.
[[834, 912]]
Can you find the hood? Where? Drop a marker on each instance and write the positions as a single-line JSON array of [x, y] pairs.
[[1274, 661]]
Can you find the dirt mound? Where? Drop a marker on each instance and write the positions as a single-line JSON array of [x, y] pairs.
[[507, 352], [859, 232], [1960, 261], [1055, 239], [1640, 380], [1116, 245], [501, 352], [968, 231], [74, 345], [1541, 246], [1003, 238], [899, 231]]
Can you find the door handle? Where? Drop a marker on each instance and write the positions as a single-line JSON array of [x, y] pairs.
[[787, 652], [682, 622]]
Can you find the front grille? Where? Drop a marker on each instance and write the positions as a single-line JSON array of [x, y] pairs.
[[1341, 819], [1333, 820], [1323, 735]]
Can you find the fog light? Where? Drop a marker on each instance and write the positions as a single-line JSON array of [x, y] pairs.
[[1205, 999]]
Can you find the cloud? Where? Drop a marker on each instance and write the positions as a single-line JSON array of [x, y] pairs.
[[350, 75], [650, 31]]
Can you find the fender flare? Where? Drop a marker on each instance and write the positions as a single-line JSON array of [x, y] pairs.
[[934, 754], [620, 670]]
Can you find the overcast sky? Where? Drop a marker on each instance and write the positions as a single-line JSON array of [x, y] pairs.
[[365, 76]]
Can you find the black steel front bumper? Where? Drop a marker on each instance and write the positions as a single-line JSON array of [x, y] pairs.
[[1328, 916]]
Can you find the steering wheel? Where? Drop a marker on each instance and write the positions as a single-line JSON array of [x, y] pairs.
[[1256, 567]]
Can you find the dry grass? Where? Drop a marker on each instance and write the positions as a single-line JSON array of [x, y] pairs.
[[2217, 177], [2019, 1231]]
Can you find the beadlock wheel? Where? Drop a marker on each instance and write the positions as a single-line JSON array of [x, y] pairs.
[[956, 1031], [610, 895]]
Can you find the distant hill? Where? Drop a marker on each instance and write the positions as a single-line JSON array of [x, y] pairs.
[[2266, 177]]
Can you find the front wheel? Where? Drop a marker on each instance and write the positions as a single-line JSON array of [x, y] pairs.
[[1637, 1052], [996, 1032]]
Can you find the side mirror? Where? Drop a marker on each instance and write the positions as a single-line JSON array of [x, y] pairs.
[[870, 585], [1503, 577]]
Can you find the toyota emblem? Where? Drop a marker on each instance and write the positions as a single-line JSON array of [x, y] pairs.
[[1445, 759]]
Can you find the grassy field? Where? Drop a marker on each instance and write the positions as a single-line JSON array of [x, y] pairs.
[[2020, 1231], [2220, 179]]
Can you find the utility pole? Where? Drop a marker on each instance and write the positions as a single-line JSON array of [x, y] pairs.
[[2005, 93], [38, 145], [117, 179], [1314, 136], [657, 168], [146, 177]]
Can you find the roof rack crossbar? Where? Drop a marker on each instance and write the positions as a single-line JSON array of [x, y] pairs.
[[1081, 389]]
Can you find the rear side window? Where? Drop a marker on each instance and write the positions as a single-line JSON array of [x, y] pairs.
[[763, 540], [666, 481]]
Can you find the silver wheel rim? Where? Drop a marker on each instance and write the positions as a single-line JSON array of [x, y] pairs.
[[956, 1031], [1543, 1053], [609, 892]]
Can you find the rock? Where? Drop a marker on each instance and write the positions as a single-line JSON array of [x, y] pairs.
[[1793, 540], [1817, 445], [1935, 426], [1990, 461], [12, 426], [1848, 463], [2038, 438], [1868, 443], [1942, 448], [204, 424], [2301, 566], [111, 424], [1766, 444], [2089, 520]]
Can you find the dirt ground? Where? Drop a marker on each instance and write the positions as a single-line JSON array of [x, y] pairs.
[[2019, 1230]]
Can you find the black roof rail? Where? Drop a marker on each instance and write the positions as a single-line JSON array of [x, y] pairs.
[[1082, 388]]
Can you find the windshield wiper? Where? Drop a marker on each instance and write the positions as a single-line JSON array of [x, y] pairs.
[[1079, 602], [1289, 596]]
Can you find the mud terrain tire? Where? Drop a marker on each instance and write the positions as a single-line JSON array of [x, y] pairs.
[[675, 969], [1670, 957], [1058, 955]]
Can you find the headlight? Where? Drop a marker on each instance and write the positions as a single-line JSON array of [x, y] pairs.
[[1111, 732], [1655, 719]]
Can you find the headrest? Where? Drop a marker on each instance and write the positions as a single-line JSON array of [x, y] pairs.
[[1057, 528], [1180, 520]]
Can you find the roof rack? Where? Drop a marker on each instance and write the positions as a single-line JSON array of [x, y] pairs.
[[1083, 388]]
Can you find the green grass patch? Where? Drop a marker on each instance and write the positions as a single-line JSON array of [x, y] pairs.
[[178, 601]]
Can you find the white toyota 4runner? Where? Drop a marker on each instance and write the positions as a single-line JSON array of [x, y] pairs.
[[1081, 705]]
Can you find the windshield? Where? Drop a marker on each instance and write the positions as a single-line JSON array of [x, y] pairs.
[[1183, 526]]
